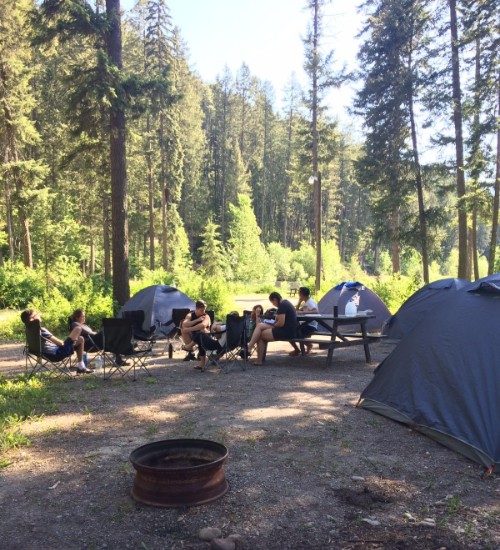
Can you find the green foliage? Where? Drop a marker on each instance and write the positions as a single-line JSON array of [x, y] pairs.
[[22, 398], [306, 257], [281, 257], [215, 292], [251, 259], [214, 260], [393, 290], [19, 285], [147, 277]]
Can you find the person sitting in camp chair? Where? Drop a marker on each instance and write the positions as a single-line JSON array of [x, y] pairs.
[[93, 341], [55, 349], [195, 321]]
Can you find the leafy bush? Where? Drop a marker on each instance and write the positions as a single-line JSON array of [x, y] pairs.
[[395, 289], [215, 293], [19, 285]]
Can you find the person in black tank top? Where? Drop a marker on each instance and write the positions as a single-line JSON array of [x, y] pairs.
[[284, 328]]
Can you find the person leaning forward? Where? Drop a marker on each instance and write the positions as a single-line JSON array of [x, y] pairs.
[[194, 327], [55, 349], [284, 328]]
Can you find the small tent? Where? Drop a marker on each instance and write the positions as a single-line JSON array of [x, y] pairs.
[[428, 298], [157, 302], [341, 294], [443, 378]]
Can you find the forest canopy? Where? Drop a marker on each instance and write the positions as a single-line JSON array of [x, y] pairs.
[[117, 158]]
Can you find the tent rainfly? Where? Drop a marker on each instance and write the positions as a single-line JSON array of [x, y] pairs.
[[341, 294], [443, 378], [157, 302], [425, 300]]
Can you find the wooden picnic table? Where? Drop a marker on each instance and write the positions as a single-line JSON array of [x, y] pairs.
[[334, 339]]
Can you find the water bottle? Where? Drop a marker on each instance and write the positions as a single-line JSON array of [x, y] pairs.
[[351, 309], [85, 359], [97, 362]]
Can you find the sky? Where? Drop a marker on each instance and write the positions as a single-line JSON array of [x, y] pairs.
[[267, 36]]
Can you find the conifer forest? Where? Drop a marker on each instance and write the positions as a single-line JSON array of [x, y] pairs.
[[117, 159]]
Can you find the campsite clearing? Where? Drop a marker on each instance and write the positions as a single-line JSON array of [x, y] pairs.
[[306, 468]]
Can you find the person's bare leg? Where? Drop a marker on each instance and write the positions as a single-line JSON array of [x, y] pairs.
[[79, 347], [267, 336]]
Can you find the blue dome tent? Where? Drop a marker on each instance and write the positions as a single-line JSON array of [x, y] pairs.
[[427, 299], [443, 378], [341, 294], [157, 302]]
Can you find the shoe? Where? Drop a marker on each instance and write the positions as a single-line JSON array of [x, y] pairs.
[[294, 353], [83, 370], [198, 367], [122, 363], [190, 357]]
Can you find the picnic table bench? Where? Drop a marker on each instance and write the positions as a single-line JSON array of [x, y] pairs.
[[330, 338]]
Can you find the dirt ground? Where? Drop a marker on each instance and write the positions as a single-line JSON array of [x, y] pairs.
[[306, 468]]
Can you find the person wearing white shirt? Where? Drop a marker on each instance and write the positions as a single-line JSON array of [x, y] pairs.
[[305, 305]]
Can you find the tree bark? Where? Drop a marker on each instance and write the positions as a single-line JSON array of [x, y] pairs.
[[496, 198], [314, 129], [418, 174], [121, 288], [459, 145], [150, 200]]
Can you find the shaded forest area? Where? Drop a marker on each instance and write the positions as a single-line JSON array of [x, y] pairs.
[[116, 157]]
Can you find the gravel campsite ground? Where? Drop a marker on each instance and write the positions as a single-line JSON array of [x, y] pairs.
[[306, 468]]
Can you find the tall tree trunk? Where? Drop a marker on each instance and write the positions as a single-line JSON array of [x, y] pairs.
[[459, 145], [92, 255], [395, 246], [8, 215], [121, 288], [314, 128], [151, 211], [106, 238], [496, 197], [418, 174], [473, 244], [164, 192]]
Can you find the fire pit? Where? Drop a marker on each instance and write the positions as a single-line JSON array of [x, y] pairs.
[[179, 472]]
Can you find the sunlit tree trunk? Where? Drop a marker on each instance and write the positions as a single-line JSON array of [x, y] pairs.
[[459, 145], [121, 288]]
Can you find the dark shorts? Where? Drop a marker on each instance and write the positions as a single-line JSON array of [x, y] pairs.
[[281, 333], [306, 330], [205, 342], [61, 352]]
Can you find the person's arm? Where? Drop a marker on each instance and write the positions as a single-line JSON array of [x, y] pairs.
[[56, 341], [280, 320], [308, 309]]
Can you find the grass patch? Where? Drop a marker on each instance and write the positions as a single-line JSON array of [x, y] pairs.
[[21, 399]]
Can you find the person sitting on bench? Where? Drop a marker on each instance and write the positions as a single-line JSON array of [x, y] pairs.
[[55, 349], [305, 305], [285, 327]]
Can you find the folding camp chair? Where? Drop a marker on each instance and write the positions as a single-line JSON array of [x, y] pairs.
[[142, 337], [233, 344], [36, 361], [174, 342], [119, 340]]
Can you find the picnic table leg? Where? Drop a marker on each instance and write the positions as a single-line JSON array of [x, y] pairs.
[[170, 351], [365, 342], [265, 353], [331, 347]]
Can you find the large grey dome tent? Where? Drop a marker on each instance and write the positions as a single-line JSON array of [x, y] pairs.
[[341, 294], [427, 299], [157, 302], [443, 378]]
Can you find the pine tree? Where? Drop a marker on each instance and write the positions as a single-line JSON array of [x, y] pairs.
[[214, 260]]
